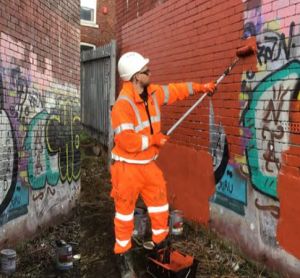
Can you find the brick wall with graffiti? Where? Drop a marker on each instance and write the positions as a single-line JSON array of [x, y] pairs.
[[234, 164], [39, 114]]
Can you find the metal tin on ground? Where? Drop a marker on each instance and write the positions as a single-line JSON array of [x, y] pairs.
[[8, 261], [176, 222], [140, 222], [64, 257]]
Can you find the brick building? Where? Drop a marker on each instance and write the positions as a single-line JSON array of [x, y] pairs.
[[235, 161], [40, 114], [97, 23]]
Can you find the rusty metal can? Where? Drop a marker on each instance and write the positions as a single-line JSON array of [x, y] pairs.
[[140, 222], [8, 261], [64, 256], [176, 222]]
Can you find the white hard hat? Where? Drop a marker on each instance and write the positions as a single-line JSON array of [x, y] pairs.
[[131, 63]]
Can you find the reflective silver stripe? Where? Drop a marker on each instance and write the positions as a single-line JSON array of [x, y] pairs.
[[166, 93], [132, 161], [145, 142], [135, 109], [159, 231], [144, 125], [156, 106], [124, 217], [155, 119], [122, 127], [158, 209], [122, 243], [190, 88], [141, 125]]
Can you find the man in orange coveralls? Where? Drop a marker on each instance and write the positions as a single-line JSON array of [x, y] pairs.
[[136, 124]]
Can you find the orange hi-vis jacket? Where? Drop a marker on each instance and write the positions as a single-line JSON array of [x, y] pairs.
[[131, 124], [135, 173]]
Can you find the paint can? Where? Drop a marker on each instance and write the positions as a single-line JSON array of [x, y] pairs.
[[8, 261], [64, 256], [140, 222], [176, 222]]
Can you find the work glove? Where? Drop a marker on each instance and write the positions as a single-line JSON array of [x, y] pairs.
[[159, 139], [208, 88]]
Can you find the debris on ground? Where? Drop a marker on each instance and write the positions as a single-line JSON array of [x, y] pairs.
[[89, 230]]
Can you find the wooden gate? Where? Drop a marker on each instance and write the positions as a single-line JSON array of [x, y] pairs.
[[98, 85]]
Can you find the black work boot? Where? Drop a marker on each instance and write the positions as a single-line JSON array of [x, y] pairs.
[[125, 265]]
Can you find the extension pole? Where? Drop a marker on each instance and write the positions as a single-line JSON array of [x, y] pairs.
[[226, 72], [242, 52], [186, 114]]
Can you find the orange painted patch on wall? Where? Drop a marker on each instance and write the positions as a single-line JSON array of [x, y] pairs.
[[190, 180], [288, 229]]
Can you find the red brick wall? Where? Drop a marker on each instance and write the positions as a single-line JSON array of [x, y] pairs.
[[39, 114], [48, 29], [106, 22], [250, 128], [129, 10], [185, 43]]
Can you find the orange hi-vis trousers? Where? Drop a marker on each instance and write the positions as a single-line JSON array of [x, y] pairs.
[[128, 181]]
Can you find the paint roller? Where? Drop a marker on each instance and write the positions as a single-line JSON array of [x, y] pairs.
[[242, 52]]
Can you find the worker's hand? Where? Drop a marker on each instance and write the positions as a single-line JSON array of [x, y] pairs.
[[210, 88], [159, 139]]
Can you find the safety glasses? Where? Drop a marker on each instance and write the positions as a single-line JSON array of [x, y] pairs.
[[146, 72]]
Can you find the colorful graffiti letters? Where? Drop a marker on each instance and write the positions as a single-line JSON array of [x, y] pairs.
[[40, 169], [63, 138], [268, 109]]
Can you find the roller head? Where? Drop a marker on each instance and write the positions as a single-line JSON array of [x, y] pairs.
[[247, 50]]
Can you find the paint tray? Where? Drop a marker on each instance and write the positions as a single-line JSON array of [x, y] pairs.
[[180, 266]]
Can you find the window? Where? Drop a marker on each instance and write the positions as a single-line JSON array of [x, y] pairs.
[[86, 46], [88, 12]]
